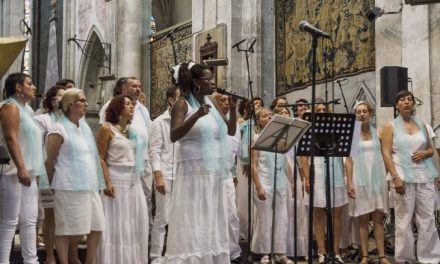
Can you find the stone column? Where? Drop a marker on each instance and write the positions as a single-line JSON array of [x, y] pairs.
[[434, 13], [388, 39], [129, 37]]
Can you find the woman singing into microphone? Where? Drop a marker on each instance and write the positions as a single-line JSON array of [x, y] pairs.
[[198, 217]]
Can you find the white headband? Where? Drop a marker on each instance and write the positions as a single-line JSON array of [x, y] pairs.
[[176, 68]]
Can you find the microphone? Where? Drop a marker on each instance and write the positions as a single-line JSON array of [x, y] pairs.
[[335, 102], [341, 80], [238, 43], [305, 26], [232, 94]]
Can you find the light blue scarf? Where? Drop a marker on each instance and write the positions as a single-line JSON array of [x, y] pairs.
[[377, 166], [402, 144], [146, 116], [281, 170], [244, 129], [217, 155], [30, 131], [139, 152], [81, 180]]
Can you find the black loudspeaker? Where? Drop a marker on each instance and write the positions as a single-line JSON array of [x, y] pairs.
[[393, 79]]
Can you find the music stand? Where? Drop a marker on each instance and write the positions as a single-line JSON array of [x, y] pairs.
[[333, 138], [279, 136]]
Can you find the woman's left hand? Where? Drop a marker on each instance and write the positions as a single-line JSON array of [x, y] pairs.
[[109, 191], [418, 155], [232, 102]]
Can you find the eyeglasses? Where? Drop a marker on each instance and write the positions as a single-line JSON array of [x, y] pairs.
[[83, 100], [209, 78]]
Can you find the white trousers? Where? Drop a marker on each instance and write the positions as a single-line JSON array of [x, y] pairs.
[[160, 221], [147, 187], [233, 221], [418, 201], [261, 240], [18, 205], [242, 201]]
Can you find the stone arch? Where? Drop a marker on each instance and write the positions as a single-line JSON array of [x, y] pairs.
[[93, 65]]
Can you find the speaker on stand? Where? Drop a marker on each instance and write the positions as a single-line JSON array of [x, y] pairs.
[[393, 79]]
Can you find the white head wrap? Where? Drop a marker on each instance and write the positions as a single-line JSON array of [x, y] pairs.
[[176, 68]]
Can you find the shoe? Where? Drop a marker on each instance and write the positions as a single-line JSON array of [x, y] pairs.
[[158, 260], [383, 260], [237, 260], [339, 259], [364, 260], [321, 258], [282, 259], [265, 259]]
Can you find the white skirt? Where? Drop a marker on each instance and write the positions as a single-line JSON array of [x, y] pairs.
[[78, 213], [125, 238], [302, 222], [197, 229], [338, 198], [367, 201]]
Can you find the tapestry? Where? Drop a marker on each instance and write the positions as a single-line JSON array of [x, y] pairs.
[[162, 59], [352, 51]]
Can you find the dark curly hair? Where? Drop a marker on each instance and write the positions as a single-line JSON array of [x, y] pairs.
[[275, 102], [12, 80], [187, 77], [115, 108], [50, 94]]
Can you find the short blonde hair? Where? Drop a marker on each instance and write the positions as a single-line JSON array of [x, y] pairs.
[[68, 98]]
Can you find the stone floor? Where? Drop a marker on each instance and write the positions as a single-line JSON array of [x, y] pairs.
[[16, 256]]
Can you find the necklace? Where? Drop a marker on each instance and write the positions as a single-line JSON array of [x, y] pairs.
[[122, 130]]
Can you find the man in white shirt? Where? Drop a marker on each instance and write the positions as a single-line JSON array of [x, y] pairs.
[[222, 102], [161, 151], [140, 123]]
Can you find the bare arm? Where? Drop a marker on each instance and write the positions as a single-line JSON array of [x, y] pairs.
[[232, 122], [349, 170], [254, 173], [103, 139], [10, 118], [179, 126], [304, 160], [387, 153], [53, 146]]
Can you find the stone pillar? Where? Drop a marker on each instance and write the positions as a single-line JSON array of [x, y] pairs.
[[388, 39], [415, 55], [129, 37], [52, 53], [434, 62]]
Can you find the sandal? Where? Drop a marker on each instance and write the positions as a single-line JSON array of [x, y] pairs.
[[367, 258], [384, 260]]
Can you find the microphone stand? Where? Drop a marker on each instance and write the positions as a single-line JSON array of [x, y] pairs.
[[248, 51], [343, 96], [312, 149]]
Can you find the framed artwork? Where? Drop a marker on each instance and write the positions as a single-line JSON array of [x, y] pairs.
[[350, 52]]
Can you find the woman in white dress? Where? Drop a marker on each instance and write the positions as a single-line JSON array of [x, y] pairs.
[[263, 166], [366, 184], [45, 122], [73, 167], [197, 229], [125, 238], [301, 213], [407, 153], [338, 198]]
